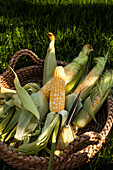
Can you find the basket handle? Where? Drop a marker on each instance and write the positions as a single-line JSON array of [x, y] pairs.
[[20, 53]]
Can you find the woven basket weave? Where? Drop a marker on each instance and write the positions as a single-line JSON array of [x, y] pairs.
[[81, 150]]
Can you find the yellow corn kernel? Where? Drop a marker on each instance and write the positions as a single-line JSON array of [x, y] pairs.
[[57, 91], [69, 74], [46, 89], [87, 83], [96, 102], [90, 80]]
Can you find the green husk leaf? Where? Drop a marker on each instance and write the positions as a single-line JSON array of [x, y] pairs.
[[17, 101], [32, 88], [50, 117], [5, 90], [66, 136], [88, 108], [5, 121], [76, 78], [41, 103], [25, 97], [4, 111], [41, 142], [13, 121], [6, 93], [11, 134], [26, 124], [54, 139], [10, 102], [95, 73], [49, 63], [70, 100], [64, 114]]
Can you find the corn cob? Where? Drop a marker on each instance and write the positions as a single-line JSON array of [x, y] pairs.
[[50, 60], [95, 100], [76, 69], [73, 71], [66, 136], [57, 92], [90, 80], [46, 89]]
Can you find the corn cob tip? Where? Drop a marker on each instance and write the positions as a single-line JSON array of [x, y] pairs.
[[59, 72], [50, 36], [89, 46], [87, 49]]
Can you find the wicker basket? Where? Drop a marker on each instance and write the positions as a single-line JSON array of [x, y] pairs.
[[79, 151]]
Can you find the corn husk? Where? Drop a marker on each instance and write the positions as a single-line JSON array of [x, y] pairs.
[[95, 100], [5, 121], [42, 140], [41, 103], [11, 135], [70, 100], [6, 93], [11, 123], [26, 124], [76, 69], [69, 88], [66, 136], [17, 102], [25, 98], [50, 62], [32, 88], [5, 90], [91, 79], [54, 139]]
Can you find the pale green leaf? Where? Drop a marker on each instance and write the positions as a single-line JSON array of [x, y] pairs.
[[25, 97]]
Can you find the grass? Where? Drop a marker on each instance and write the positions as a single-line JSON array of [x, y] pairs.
[[24, 24]]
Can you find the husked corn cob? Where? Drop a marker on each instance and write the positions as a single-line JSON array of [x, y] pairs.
[[50, 60], [57, 92], [46, 89], [73, 71], [90, 80], [95, 100]]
